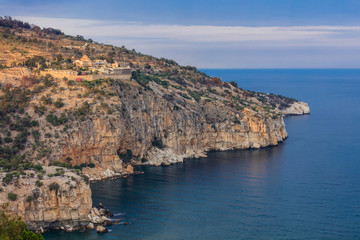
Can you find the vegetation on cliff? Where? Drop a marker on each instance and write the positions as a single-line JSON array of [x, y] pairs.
[[14, 228]]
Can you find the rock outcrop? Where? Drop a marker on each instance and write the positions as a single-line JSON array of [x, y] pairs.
[[185, 128], [52, 203], [297, 108]]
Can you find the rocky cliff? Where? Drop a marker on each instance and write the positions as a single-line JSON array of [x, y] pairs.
[[50, 203], [100, 129], [184, 127]]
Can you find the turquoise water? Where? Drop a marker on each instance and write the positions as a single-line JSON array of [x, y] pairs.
[[306, 188]]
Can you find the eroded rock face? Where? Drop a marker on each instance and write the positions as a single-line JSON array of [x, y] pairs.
[[185, 127], [67, 204], [297, 108]]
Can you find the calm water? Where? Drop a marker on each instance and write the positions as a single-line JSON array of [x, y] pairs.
[[306, 188]]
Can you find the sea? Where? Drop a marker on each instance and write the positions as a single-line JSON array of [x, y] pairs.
[[308, 187]]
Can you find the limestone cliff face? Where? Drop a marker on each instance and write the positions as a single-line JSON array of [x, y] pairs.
[[50, 209], [297, 108], [186, 128]]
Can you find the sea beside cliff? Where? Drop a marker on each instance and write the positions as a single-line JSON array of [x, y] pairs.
[[306, 188]]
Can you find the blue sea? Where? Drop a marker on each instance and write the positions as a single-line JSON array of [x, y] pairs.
[[306, 188]]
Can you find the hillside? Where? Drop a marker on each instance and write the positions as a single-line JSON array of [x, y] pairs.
[[158, 114]]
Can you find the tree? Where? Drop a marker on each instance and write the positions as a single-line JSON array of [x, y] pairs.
[[15, 228]]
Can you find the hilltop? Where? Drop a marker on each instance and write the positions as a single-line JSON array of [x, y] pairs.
[[100, 121]]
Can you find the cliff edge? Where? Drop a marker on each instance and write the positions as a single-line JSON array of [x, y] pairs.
[[60, 130]]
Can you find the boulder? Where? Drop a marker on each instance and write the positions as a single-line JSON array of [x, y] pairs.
[[68, 228], [108, 213], [90, 226], [107, 223], [102, 211], [101, 229], [104, 219]]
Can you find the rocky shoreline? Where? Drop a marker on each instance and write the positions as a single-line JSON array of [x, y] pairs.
[[57, 198]]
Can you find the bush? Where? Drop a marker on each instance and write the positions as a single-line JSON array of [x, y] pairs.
[[55, 121], [8, 178], [91, 165], [38, 167], [157, 142], [12, 196], [127, 156], [59, 103], [38, 183], [46, 99], [234, 84], [29, 199], [85, 178], [15, 228], [54, 186], [70, 83]]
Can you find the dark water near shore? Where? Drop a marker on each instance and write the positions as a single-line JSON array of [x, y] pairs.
[[306, 188]]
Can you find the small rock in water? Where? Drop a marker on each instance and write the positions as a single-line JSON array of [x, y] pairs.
[[68, 228], [91, 226], [108, 213], [104, 219], [107, 223], [101, 205], [101, 229], [126, 223], [102, 211]]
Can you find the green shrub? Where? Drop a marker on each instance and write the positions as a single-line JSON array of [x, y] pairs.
[[85, 178], [185, 96], [84, 109], [14, 228], [38, 167], [12, 196], [157, 142], [48, 135], [59, 103], [29, 199], [127, 156], [55, 121], [234, 84], [71, 83], [8, 178], [46, 99], [38, 183], [195, 95], [54, 186], [91, 165]]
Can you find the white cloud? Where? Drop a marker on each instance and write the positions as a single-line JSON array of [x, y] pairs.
[[163, 40], [136, 30]]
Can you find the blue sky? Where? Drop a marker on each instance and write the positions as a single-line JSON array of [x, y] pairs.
[[212, 34]]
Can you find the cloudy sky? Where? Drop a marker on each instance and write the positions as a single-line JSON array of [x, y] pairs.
[[209, 33]]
